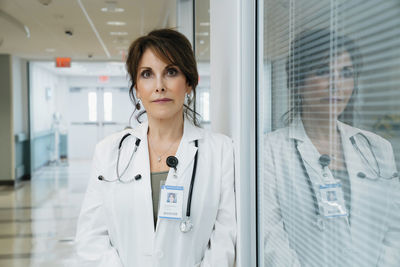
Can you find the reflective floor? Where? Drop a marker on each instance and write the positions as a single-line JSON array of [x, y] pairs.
[[38, 217]]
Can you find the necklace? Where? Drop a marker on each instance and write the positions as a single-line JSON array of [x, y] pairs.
[[160, 156]]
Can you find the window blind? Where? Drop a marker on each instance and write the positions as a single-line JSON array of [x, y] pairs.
[[329, 133]]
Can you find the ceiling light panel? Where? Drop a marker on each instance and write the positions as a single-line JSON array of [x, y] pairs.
[[116, 23], [116, 10], [118, 33]]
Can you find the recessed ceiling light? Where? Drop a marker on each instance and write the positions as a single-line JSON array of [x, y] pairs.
[[204, 23], [201, 41], [116, 23], [120, 41], [116, 10], [111, 6], [50, 50], [119, 33]]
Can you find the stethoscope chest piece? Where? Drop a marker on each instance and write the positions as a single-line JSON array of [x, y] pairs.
[[186, 225]]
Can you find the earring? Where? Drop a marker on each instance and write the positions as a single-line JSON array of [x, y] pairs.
[[188, 98], [138, 107]]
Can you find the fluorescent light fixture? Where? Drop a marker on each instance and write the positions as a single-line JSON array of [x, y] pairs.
[[118, 33], [204, 23], [202, 33], [116, 10], [116, 23]]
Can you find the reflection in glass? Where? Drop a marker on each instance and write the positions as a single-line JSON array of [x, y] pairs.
[[331, 190]]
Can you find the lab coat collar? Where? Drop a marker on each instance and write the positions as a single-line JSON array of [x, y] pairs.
[[347, 131], [297, 131], [190, 131]]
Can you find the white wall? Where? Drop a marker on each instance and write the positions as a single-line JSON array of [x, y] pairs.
[[20, 95], [233, 106], [93, 81], [42, 106]]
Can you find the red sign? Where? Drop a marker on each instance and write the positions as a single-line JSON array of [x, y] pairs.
[[104, 79], [63, 62]]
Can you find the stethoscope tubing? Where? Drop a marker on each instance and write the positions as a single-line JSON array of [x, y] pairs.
[[137, 142], [189, 202]]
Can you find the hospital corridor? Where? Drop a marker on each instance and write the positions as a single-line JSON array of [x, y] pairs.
[[199, 133]]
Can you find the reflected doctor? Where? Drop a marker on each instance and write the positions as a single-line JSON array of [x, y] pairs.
[[331, 190], [135, 202]]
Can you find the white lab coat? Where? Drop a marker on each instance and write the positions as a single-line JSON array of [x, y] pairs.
[[293, 235], [116, 227]]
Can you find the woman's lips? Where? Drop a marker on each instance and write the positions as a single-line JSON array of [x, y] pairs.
[[162, 100]]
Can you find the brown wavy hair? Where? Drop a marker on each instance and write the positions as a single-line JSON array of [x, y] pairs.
[[310, 50], [173, 48]]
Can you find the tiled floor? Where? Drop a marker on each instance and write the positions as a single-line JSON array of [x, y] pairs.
[[38, 217]]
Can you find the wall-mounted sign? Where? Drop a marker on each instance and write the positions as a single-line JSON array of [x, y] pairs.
[[63, 62], [104, 79]]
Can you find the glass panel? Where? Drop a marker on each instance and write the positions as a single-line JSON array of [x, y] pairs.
[[92, 103], [202, 50], [107, 106], [329, 124]]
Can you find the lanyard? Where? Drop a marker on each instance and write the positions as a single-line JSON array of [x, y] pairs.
[[310, 186]]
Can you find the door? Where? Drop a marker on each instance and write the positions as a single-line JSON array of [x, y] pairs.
[[94, 113]]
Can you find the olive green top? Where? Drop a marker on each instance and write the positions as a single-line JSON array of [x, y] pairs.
[[157, 179]]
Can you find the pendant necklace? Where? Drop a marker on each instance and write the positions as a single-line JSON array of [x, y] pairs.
[[159, 157]]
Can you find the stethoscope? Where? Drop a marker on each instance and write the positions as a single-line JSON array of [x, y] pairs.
[[324, 161], [186, 224], [377, 171]]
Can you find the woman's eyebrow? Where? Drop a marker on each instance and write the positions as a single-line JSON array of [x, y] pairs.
[[144, 67]]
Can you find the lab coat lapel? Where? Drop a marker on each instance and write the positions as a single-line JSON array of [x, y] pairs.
[[309, 154], [142, 167], [185, 153]]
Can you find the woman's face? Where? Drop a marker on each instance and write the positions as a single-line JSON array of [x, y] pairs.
[[161, 87], [328, 89]]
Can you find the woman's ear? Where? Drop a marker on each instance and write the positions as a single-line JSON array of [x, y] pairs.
[[189, 90]]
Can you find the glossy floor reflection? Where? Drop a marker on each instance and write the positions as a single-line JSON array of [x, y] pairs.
[[38, 217]]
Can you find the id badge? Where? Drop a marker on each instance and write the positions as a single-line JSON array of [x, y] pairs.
[[171, 200], [332, 200]]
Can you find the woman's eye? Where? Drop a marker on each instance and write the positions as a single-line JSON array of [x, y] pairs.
[[347, 73], [322, 71], [172, 72], [146, 74]]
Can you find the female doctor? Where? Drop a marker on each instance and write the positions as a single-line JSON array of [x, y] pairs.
[[332, 192], [126, 217]]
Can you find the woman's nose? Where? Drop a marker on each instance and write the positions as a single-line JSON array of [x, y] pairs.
[[160, 86], [335, 81]]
